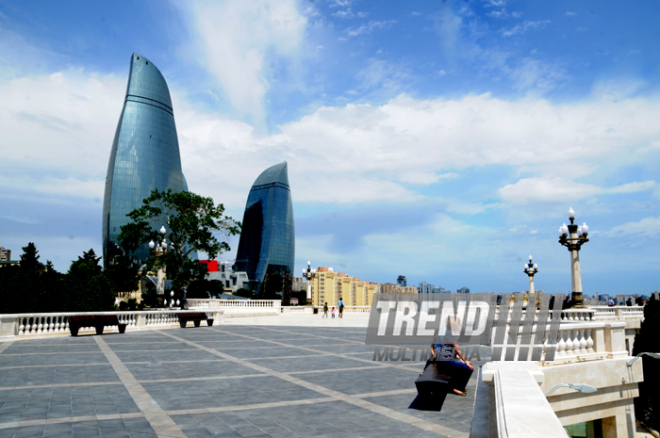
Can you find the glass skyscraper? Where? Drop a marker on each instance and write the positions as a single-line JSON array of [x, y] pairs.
[[145, 151], [267, 241]]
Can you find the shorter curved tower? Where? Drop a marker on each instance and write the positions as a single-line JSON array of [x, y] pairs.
[[267, 241]]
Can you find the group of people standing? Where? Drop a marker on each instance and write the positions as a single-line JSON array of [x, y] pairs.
[[340, 306]]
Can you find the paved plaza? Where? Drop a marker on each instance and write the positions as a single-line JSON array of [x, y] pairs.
[[230, 380]]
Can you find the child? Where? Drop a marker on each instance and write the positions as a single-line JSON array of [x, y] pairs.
[[333, 312]]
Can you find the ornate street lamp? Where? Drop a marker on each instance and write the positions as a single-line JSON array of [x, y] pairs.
[[581, 387], [309, 274], [159, 249], [645, 353], [530, 270], [573, 237]]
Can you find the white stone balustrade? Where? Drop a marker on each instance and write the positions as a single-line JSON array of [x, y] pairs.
[[348, 309], [58, 323], [618, 313], [238, 308], [575, 342], [509, 402], [297, 309]]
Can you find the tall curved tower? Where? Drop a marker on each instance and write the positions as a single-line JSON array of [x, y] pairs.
[[145, 151], [267, 241]]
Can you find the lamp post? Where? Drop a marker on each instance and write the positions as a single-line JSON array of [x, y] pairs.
[[309, 274], [573, 237], [582, 387], [530, 270], [159, 249], [645, 353]]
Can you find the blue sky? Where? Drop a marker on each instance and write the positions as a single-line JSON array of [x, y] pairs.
[[441, 140]]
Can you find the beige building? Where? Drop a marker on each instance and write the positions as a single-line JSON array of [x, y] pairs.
[[389, 288], [5, 254], [329, 287]]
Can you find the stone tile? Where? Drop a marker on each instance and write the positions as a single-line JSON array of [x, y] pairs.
[[214, 383]]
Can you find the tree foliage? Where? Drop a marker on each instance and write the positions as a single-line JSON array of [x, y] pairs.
[[122, 271], [88, 288], [277, 284], [34, 287], [242, 292], [190, 221], [647, 405], [204, 289]]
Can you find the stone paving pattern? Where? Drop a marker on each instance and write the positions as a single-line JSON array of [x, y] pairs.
[[221, 381]]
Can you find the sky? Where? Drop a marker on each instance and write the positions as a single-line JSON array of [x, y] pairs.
[[440, 140]]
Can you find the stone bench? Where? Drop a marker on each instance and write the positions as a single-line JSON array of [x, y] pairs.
[[96, 321], [434, 381], [196, 318]]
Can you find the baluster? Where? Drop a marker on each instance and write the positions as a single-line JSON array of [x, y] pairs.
[[21, 327], [569, 342], [561, 345], [590, 341], [51, 324], [583, 341]]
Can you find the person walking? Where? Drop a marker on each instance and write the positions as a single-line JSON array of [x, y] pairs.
[[325, 310], [333, 312], [340, 304]]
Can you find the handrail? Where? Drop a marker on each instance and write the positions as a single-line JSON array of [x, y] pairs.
[[21, 324]]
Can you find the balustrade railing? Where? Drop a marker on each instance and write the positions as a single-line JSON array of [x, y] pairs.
[[618, 313], [58, 323], [348, 309], [200, 303]]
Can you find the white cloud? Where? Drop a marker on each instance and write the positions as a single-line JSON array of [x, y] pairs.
[[57, 132], [555, 189], [351, 154], [348, 13], [495, 3], [501, 13], [234, 38], [369, 27], [339, 3], [369, 152], [524, 27], [535, 76], [648, 227]]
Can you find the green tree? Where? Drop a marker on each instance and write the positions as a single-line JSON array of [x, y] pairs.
[[242, 292], [647, 405], [277, 284], [191, 220], [22, 288], [87, 289], [122, 271], [30, 259]]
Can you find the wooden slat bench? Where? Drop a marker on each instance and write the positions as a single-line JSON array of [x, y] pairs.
[[197, 318], [96, 321]]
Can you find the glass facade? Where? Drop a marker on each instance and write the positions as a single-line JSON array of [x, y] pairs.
[[145, 151], [267, 240]]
